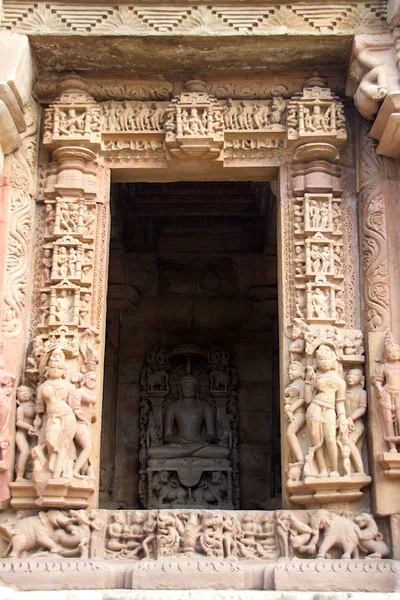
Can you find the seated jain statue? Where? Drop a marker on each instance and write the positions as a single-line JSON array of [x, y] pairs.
[[189, 427]]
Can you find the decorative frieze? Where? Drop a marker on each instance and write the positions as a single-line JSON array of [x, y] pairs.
[[165, 534], [201, 19], [196, 125]]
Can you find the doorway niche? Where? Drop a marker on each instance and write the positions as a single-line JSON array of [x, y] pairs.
[[193, 263]]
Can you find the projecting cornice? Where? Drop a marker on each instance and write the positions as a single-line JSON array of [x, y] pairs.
[[222, 18]]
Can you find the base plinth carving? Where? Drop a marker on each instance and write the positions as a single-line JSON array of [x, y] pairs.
[[336, 576], [390, 463], [56, 493], [325, 490]]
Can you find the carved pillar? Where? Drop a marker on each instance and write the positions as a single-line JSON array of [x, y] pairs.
[[16, 236], [321, 347], [378, 218], [68, 321]]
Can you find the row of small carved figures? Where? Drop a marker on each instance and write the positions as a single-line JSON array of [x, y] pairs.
[[217, 534], [156, 534], [129, 116]]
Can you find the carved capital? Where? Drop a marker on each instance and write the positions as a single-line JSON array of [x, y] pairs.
[[316, 123], [74, 117]]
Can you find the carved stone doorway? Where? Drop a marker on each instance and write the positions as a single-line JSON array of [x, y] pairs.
[[193, 263]]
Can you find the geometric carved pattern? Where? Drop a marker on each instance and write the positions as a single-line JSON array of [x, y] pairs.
[[82, 19], [162, 19], [333, 16], [219, 20], [243, 20]]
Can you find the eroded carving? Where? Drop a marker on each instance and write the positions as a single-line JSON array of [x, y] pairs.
[[373, 72]]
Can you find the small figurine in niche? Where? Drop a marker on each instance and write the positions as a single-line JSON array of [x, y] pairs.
[[64, 307], [316, 121], [319, 303], [62, 262], [47, 262], [50, 218], [44, 308], [299, 260]]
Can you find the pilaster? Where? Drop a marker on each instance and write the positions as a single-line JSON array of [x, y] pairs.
[[324, 459], [378, 217], [64, 369]]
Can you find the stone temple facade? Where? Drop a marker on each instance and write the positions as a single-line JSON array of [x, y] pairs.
[[199, 299]]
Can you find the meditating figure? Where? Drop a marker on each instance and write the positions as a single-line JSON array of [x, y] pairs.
[[189, 427]]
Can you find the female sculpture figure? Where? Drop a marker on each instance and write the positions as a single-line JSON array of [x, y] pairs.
[[295, 407], [55, 396], [85, 417], [26, 413], [325, 393], [356, 406]]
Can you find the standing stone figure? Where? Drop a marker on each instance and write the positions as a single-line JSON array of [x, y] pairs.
[[295, 407], [356, 406], [55, 397], [26, 413], [387, 386], [325, 393]]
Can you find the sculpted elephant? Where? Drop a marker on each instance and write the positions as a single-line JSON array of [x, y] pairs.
[[338, 532], [219, 381], [157, 380], [44, 530]]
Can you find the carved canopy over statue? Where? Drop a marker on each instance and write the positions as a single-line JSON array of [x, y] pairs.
[[188, 429]]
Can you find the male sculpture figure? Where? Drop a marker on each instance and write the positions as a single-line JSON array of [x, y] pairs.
[[189, 428], [325, 393], [387, 386]]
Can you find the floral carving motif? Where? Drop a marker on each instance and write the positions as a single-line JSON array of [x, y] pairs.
[[374, 259]]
